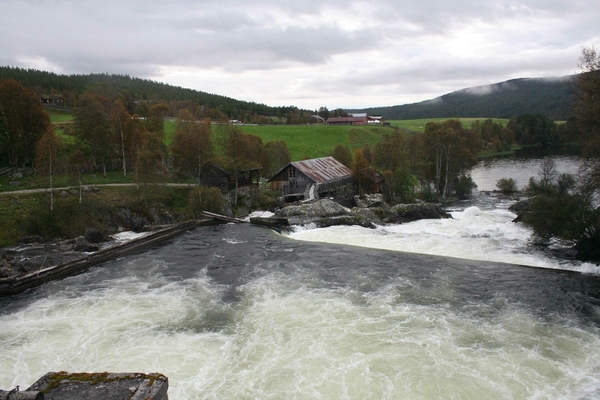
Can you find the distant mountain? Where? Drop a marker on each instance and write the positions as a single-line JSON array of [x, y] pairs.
[[546, 96]]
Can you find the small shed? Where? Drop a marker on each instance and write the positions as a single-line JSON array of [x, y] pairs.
[[217, 176], [310, 177]]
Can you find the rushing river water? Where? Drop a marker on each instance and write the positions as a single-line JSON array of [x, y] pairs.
[[242, 312]]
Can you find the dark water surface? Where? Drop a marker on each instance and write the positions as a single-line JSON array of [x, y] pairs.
[[238, 311]]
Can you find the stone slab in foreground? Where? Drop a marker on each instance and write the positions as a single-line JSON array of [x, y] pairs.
[[101, 386]]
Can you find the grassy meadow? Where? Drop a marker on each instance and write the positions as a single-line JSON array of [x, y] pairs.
[[303, 140], [418, 125]]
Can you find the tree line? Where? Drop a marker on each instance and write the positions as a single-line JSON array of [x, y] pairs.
[[141, 94]]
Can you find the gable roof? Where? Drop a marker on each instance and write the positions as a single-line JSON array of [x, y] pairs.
[[320, 169]]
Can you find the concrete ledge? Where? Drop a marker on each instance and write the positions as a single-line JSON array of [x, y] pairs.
[[102, 386]]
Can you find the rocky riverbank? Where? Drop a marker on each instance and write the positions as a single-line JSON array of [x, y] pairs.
[[369, 211]]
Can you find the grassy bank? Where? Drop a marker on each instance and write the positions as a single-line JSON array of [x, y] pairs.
[[30, 214]]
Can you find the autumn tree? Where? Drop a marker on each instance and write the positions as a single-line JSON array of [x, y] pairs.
[[391, 152], [76, 164], [119, 118], [46, 159], [4, 143], [234, 145], [447, 150], [25, 122], [342, 154], [588, 115], [92, 126], [363, 174], [276, 156], [155, 117], [192, 145]]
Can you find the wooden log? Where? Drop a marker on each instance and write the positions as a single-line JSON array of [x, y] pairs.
[[221, 217], [18, 284], [271, 221]]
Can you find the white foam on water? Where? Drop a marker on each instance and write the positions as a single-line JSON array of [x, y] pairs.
[[259, 214], [485, 235], [129, 235], [285, 339]]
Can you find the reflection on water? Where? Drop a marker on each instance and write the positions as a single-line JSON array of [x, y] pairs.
[[524, 164]]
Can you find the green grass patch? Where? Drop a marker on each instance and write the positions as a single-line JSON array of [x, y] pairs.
[[317, 140], [169, 130], [67, 139], [13, 211], [418, 125], [57, 116]]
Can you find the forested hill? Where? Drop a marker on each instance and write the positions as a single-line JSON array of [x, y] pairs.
[[546, 96], [139, 89]]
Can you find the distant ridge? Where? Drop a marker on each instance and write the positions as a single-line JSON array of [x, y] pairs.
[[546, 96], [140, 89]]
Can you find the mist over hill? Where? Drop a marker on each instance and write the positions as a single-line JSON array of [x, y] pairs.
[[547, 96]]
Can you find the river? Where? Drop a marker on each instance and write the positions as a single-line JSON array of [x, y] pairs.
[[240, 311]]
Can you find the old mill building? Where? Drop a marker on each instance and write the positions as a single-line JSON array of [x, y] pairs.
[[310, 178]]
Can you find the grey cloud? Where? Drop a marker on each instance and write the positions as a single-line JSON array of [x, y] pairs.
[[143, 38]]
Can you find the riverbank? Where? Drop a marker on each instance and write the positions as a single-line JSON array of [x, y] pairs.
[[29, 266]]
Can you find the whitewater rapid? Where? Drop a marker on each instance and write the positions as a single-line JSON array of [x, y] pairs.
[[487, 234]]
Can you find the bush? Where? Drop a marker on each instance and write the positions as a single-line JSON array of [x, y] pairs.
[[68, 219], [507, 185], [464, 186], [209, 199], [561, 212]]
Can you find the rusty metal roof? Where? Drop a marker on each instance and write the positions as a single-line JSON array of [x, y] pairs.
[[323, 169]]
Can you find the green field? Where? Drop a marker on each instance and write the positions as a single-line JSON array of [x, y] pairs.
[[317, 140], [56, 116], [418, 125]]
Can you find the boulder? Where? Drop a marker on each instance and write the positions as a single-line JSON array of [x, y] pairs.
[[93, 235], [17, 175], [14, 183], [521, 208], [138, 223], [83, 245], [31, 239], [318, 209], [369, 200], [402, 213], [6, 269]]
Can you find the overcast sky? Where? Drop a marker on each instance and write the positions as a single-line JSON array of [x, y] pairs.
[[333, 53]]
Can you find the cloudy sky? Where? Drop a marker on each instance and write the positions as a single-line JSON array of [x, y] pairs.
[[333, 53]]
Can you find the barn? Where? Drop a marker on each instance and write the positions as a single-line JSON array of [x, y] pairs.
[[310, 178], [217, 176]]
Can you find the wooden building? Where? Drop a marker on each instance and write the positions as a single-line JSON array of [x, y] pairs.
[[355, 119], [216, 176], [309, 178]]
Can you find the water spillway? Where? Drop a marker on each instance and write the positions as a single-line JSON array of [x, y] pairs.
[[241, 312]]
